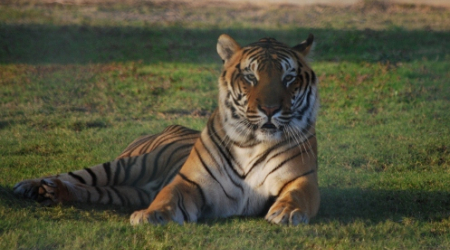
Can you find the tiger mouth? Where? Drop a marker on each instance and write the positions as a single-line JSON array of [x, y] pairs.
[[268, 126]]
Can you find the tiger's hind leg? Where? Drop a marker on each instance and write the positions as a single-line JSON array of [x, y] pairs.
[[139, 173], [117, 182], [51, 191], [133, 181]]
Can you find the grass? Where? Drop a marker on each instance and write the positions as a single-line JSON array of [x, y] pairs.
[[79, 82]]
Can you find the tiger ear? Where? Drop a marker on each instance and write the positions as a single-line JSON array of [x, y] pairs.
[[305, 47], [226, 47]]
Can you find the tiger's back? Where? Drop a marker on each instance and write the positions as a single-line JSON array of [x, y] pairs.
[[170, 135]]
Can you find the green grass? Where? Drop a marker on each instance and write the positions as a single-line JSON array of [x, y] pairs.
[[79, 82]]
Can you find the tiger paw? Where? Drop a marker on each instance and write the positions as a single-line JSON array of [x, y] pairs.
[[286, 215], [27, 189], [155, 217], [45, 191]]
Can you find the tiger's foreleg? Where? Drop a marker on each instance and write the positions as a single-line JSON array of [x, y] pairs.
[[297, 203], [180, 201]]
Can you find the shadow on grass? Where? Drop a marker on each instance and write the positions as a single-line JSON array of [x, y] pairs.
[[343, 205], [346, 205], [47, 44]]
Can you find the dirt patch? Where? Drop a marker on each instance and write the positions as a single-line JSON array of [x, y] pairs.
[[200, 3]]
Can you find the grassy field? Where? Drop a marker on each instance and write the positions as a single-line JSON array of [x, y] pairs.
[[79, 82]]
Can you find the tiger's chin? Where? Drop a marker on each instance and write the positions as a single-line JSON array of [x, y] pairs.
[[269, 134]]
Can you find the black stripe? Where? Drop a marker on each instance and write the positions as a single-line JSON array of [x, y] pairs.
[[179, 135], [308, 80], [110, 199], [156, 159], [143, 170], [284, 58], [182, 207], [264, 155], [167, 135], [176, 150], [301, 78], [171, 176], [251, 116], [294, 55], [251, 145], [122, 201], [174, 166], [116, 173], [107, 169], [100, 193], [252, 50], [128, 164], [307, 105], [77, 177], [136, 144], [220, 145], [313, 77], [150, 144], [145, 146], [282, 163], [292, 147], [209, 153], [211, 174], [127, 199], [93, 176], [158, 187], [141, 197], [236, 75], [225, 155], [236, 102], [217, 164], [289, 182], [88, 196], [202, 194]]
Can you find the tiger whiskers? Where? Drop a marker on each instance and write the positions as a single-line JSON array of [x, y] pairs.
[[301, 139], [295, 138]]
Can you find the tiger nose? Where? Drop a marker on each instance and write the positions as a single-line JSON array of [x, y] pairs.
[[270, 110]]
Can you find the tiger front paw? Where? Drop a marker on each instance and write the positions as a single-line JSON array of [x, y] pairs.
[[155, 217], [286, 214], [45, 191]]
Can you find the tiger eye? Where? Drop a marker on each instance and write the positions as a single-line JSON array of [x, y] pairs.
[[251, 78], [288, 78]]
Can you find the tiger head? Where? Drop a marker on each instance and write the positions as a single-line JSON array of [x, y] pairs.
[[267, 91]]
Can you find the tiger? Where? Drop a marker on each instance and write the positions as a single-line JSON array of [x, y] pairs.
[[257, 155]]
